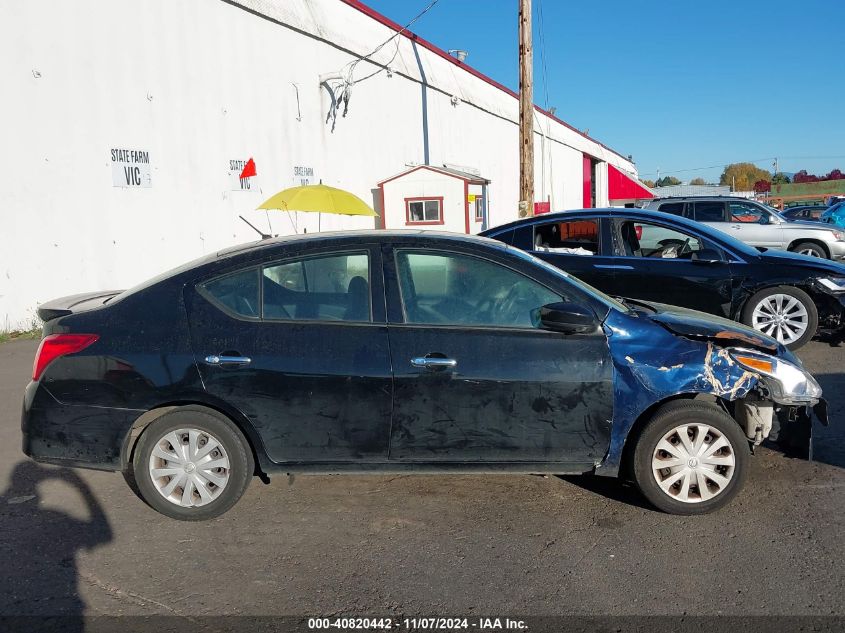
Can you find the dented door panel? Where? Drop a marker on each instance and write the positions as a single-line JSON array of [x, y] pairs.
[[513, 395]]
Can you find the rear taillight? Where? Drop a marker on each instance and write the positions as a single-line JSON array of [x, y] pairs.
[[638, 229], [56, 345]]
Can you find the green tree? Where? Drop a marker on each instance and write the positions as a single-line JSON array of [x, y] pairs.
[[698, 181], [742, 176], [648, 183], [668, 181], [780, 178]]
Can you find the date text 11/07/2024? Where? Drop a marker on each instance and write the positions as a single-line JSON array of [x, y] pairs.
[[418, 624]]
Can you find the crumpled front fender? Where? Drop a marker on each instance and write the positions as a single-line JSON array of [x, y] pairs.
[[651, 364]]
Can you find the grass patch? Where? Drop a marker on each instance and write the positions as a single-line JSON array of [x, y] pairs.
[[18, 335]]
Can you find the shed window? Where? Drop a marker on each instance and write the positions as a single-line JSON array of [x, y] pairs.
[[424, 210]]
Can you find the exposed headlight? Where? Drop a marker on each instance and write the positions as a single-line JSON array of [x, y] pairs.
[[839, 237], [836, 284], [787, 383]]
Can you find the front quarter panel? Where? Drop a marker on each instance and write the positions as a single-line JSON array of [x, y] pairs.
[[652, 365]]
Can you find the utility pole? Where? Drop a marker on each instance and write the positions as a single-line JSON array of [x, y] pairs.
[[526, 112]]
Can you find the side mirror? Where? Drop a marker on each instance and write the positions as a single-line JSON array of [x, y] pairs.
[[569, 318], [707, 256]]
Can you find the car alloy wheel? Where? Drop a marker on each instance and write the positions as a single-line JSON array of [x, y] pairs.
[[189, 467], [693, 463], [781, 316], [812, 252]]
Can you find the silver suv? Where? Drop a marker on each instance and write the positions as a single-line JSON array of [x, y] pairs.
[[757, 225]]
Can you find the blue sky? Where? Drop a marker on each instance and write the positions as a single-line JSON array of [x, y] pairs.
[[678, 84]]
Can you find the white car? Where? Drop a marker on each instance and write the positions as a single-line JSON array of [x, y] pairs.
[[757, 225]]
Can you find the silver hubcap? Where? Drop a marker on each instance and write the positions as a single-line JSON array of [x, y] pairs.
[[693, 463], [809, 251], [782, 317], [189, 467]]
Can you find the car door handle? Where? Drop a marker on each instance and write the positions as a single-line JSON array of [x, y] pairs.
[[434, 363], [613, 267], [227, 360], [735, 227]]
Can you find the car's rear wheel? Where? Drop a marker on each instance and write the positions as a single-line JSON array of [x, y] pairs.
[[809, 248], [192, 465], [783, 312], [690, 458]]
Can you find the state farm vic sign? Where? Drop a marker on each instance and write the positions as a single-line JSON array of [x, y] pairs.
[[130, 168]]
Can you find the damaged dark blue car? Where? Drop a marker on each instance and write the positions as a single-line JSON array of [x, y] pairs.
[[399, 351]]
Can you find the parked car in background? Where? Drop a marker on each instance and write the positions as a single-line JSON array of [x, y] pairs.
[[757, 225], [811, 213], [399, 351], [654, 256], [835, 215]]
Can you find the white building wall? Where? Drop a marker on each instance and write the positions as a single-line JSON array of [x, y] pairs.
[[198, 83]]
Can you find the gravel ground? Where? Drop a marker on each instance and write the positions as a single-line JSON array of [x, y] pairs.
[[79, 542]]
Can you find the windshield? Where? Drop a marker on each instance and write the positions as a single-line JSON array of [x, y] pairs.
[[585, 287]]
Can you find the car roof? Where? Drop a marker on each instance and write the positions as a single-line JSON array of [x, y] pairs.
[[636, 213], [716, 197], [363, 236]]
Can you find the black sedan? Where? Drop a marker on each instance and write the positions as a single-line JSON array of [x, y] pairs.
[[811, 213], [382, 351], [654, 256]]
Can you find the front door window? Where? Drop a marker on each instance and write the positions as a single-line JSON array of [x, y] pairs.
[[451, 289], [645, 239]]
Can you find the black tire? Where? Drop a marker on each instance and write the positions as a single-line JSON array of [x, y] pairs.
[[665, 420], [810, 248], [240, 460], [792, 291]]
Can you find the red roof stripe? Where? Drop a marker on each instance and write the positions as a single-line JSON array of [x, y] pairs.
[[620, 186]]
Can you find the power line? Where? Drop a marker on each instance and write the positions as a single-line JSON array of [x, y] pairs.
[[395, 36], [541, 30], [757, 160]]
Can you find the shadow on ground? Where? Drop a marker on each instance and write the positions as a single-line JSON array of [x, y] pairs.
[[39, 545]]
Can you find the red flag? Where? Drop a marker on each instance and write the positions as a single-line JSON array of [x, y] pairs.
[[248, 170]]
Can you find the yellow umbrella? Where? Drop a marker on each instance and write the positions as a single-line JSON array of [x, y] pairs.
[[318, 199]]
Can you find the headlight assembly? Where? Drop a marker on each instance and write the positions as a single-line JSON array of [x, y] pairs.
[[787, 383], [835, 284]]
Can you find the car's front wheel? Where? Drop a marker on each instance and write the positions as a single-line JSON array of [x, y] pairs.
[[192, 465], [783, 312], [690, 458]]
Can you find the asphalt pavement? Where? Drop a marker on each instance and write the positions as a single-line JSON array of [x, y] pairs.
[[79, 542]]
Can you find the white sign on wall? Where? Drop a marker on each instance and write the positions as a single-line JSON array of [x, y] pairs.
[[236, 183], [130, 168], [303, 175]]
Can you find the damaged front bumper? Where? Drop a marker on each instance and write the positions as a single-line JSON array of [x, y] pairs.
[[783, 387]]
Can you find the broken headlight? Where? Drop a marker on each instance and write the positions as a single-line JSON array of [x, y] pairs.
[[787, 383], [834, 284]]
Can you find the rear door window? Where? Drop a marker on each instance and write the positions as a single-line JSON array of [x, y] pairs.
[[572, 237], [675, 208], [235, 293], [709, 212], [334, 287]]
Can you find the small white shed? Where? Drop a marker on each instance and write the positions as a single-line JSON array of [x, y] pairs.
[[440, 198]]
